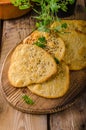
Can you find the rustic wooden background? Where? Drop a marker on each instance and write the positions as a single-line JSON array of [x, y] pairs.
[[74, 118]]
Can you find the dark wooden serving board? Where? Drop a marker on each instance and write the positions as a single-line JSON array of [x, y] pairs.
[[42, 105]]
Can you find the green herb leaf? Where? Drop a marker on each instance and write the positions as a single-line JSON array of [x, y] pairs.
[[64, 25], [42, 39], [27, 99], [61, 28], [64, 7], [22, 7], [22, 4], [43, 29], [40, 44], [71, 1], [42, 26], [57, 61]]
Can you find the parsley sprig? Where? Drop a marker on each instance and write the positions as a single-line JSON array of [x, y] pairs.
[[41, 42], [27, 99], [48, 12]]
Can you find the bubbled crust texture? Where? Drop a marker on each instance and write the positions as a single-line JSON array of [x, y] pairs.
[[30, 64], [75, 43], [54, 87], [55, 45]]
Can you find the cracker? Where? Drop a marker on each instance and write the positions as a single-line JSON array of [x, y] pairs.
[[75, 43], [55, 87], [30, 64], [55, 45]]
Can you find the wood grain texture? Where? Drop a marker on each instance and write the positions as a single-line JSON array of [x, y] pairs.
[[10, 119], [0, 36], [73, 118]]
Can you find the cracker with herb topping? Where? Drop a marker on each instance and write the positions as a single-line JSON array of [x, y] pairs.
[[30, 64], [74, 37], [55, 87], [54, 45]]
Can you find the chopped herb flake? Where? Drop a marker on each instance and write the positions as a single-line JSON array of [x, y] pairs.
[[41, 42], [42, 39], [27, 99], [64, 25], [57, 61]]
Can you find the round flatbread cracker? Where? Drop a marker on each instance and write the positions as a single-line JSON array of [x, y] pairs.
[[75, 54], [54, 46], [30, 64], [75, 43], [55, 87]]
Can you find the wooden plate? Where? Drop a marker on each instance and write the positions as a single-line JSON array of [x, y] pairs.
[[41, 105], [8, 11]]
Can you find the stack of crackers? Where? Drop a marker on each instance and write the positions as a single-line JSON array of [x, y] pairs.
[[44, 69]]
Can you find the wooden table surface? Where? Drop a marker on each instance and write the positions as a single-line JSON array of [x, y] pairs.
[[73, 118]]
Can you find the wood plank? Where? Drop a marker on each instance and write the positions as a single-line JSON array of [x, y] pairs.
[[80, 12], [10, 119], [73, 118], [0, 35], [21, 121]]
